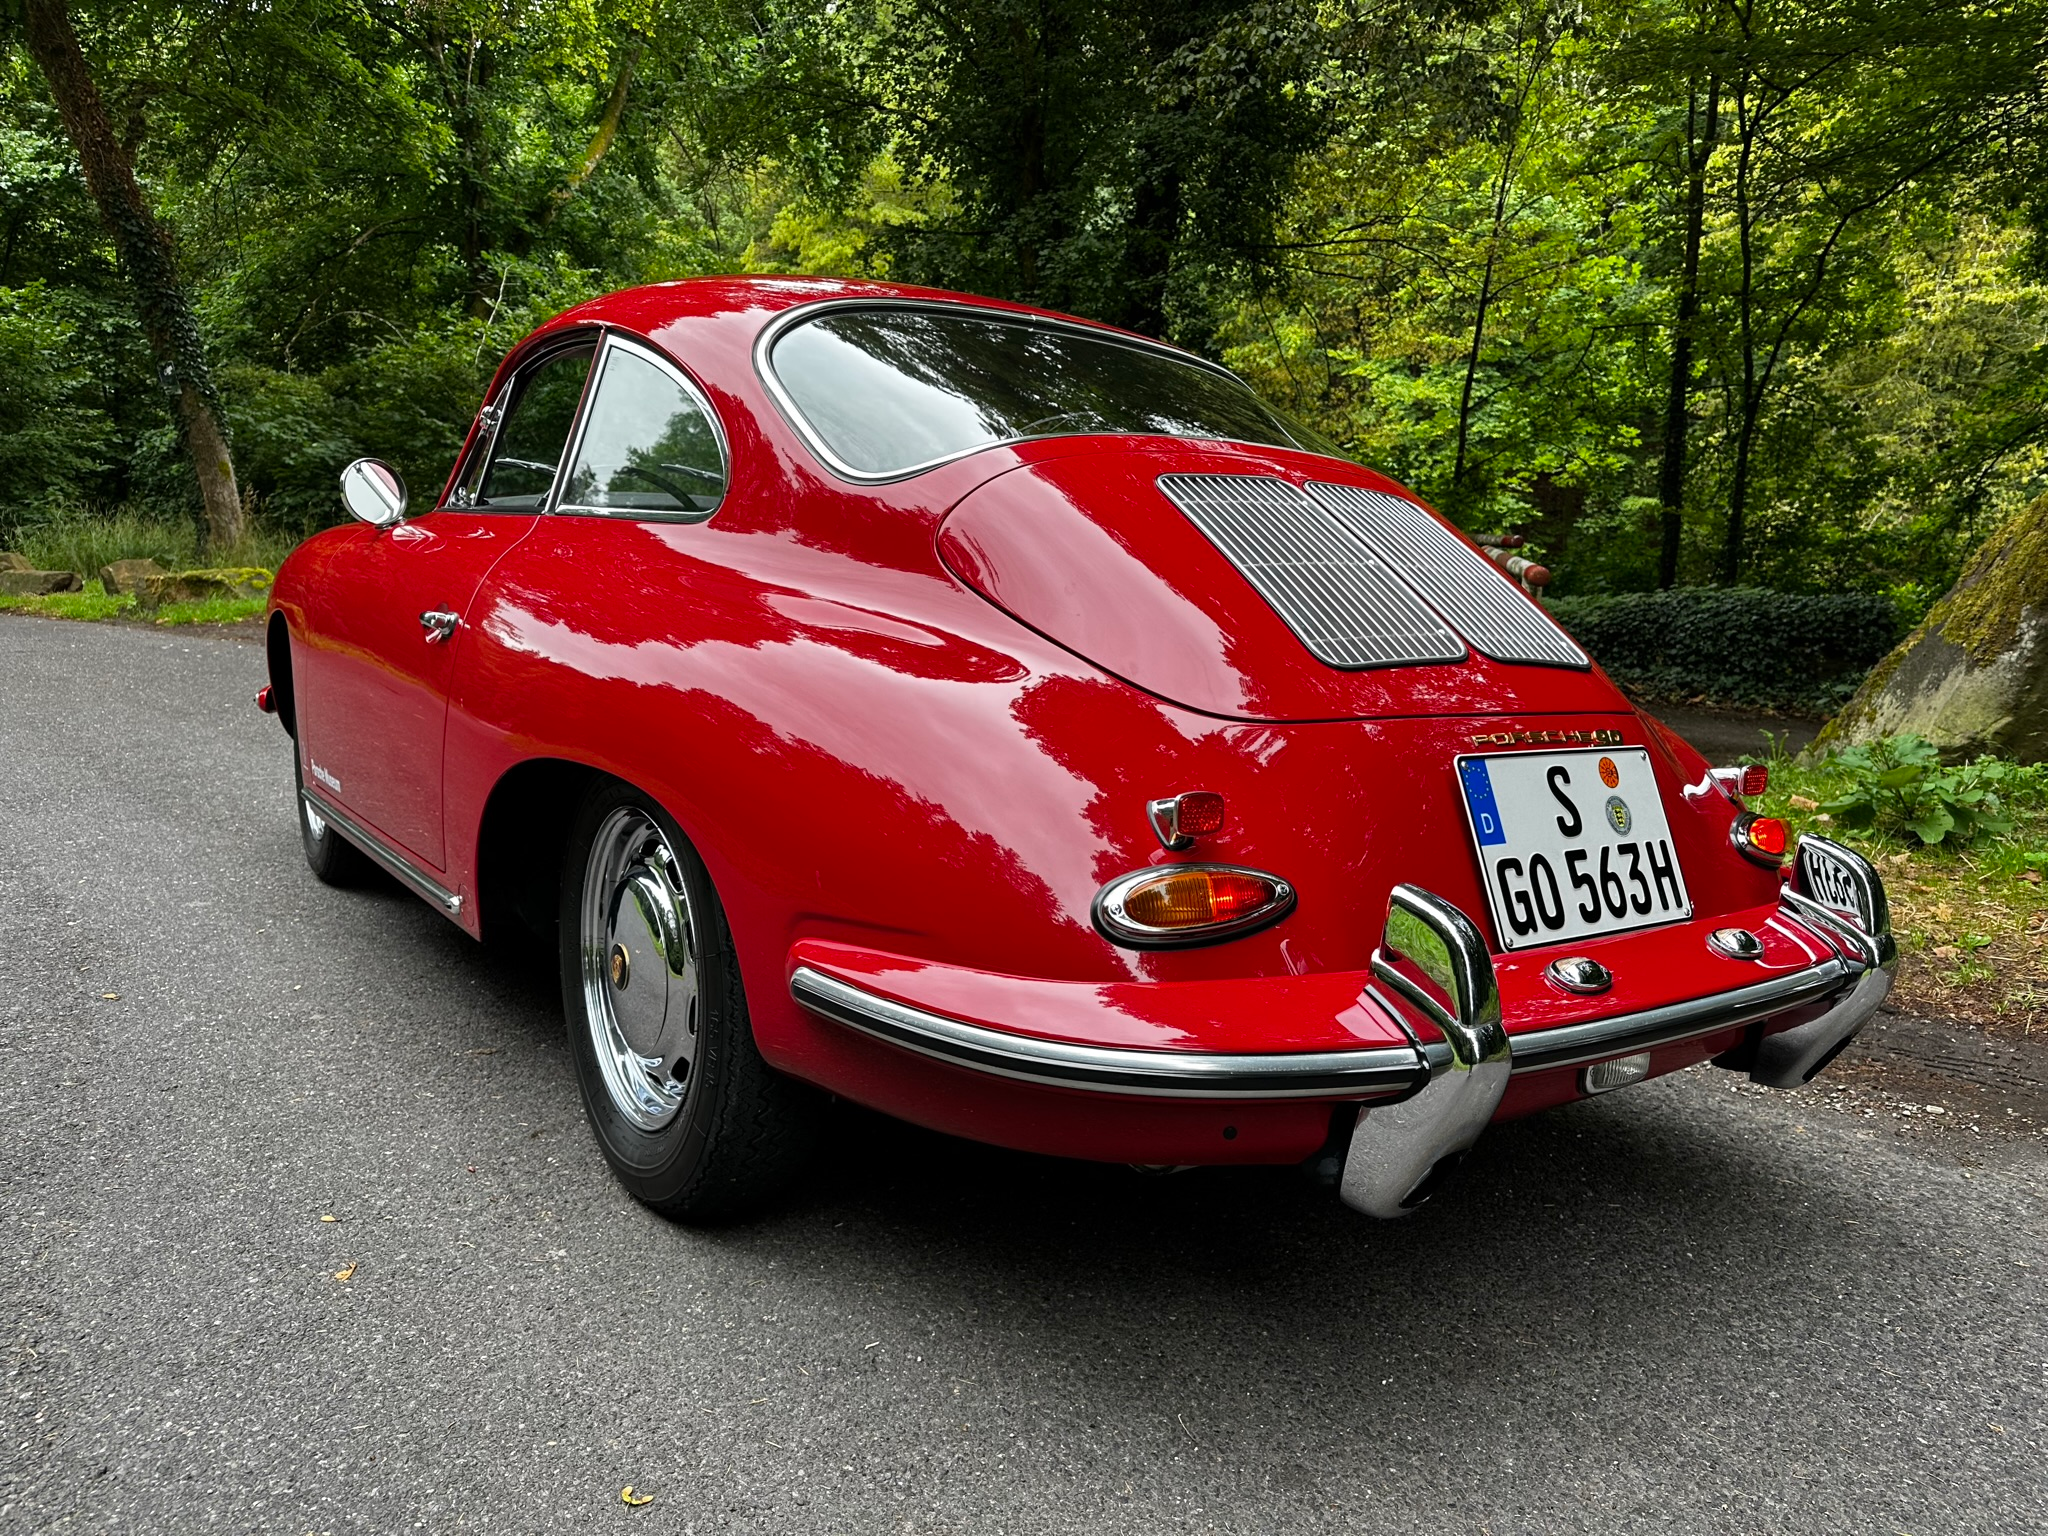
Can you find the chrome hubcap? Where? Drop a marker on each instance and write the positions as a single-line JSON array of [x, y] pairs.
[[639, 948], [315, 822]]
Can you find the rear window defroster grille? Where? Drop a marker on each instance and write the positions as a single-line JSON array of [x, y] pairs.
[[1315, 571]]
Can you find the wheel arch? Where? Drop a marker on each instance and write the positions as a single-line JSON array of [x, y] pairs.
[[520, 838], [277, 649]]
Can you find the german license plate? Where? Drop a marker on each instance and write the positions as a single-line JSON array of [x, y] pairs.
[[1572, 843]]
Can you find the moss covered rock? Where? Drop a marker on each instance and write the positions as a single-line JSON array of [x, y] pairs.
[[124, 578], [16, 582], [1973, 677], [198, 586]]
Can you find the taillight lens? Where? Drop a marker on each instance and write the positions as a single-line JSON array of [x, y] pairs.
[[1760, 838], [1750, 779], [1180, 819], [1179, 904]]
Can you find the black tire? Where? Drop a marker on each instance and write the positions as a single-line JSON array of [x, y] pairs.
[[736, 1132], [333, 859]]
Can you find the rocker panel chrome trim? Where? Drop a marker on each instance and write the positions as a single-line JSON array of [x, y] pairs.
[[389, 858], [1378, 1070]]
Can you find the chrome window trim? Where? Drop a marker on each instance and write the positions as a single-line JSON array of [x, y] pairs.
[[615, 340], [492, 413], [789, 319], [1372, 1071], [397, 864]]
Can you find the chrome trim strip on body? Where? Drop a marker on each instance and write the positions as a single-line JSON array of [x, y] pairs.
[[1373, 1071], [389, 858], [1326, 584], [764, 366], [1571, 1045]]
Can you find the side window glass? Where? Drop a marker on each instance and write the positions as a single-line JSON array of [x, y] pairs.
[[535, 432], [649, 447]]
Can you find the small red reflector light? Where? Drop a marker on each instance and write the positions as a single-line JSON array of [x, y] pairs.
[[266, 700], [1756, 778], [1199, 814], [1766, 834]]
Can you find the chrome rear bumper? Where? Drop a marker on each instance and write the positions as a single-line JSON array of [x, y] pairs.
[[1434, 1097]]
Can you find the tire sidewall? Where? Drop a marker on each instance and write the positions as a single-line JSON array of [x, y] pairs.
[[656, 1165]]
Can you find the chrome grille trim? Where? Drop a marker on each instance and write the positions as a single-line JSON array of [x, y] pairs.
[[1317, 574], [1461, 584]]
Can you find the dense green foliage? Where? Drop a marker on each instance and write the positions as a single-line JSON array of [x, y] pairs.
[[1800, 651], [1760, 277], [1898, 785]]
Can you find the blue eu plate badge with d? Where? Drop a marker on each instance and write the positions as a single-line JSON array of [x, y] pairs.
[[1479, 800]]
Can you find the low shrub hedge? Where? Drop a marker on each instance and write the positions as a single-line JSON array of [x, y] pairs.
[[1797, 651]]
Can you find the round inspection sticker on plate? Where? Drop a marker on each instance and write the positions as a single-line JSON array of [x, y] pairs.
[[1572, 844]]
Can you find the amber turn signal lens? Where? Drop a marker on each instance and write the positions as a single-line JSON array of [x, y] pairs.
[[1196, 898], [1189, 904]]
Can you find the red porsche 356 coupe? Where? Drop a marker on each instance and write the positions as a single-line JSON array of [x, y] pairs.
[[1014, 725]]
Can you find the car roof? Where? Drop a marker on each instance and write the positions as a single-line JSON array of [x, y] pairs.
[[748, 304]]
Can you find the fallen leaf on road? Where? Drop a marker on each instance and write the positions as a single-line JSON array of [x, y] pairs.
[[1804, 803], [115, 997], [343, 1274], [330, 1218], [628, 1496]]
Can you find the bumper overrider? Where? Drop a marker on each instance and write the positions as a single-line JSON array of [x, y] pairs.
[[1433, 973]]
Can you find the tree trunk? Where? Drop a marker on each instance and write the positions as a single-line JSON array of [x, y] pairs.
[[1973, 678], [1699, 150], [1750, 400], [144, 248]]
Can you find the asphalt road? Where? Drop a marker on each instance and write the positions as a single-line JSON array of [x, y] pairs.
[[1688, 1307]]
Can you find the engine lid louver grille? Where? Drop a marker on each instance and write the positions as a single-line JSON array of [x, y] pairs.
[[1365, 579], [1461, 584], [1314, 571]]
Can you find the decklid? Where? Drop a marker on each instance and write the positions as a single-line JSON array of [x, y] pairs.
[[1263, 588]]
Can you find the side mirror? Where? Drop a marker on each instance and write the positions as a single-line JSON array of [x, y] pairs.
[[372, 491]]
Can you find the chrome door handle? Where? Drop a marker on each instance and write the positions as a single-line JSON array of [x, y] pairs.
[[439, 624]]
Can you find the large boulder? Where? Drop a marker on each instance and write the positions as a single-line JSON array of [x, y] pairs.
[[27, 583], [198, 586], [10, 561], [124, 578], [1973, 678]]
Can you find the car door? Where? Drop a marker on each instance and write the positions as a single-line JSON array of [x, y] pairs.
[[374, 675]]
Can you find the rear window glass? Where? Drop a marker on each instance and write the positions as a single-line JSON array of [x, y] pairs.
[[886, 391]]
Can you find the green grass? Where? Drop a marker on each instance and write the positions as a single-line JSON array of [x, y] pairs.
[[213, 610], [83, 541], [1972, 922], [94, 603]]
